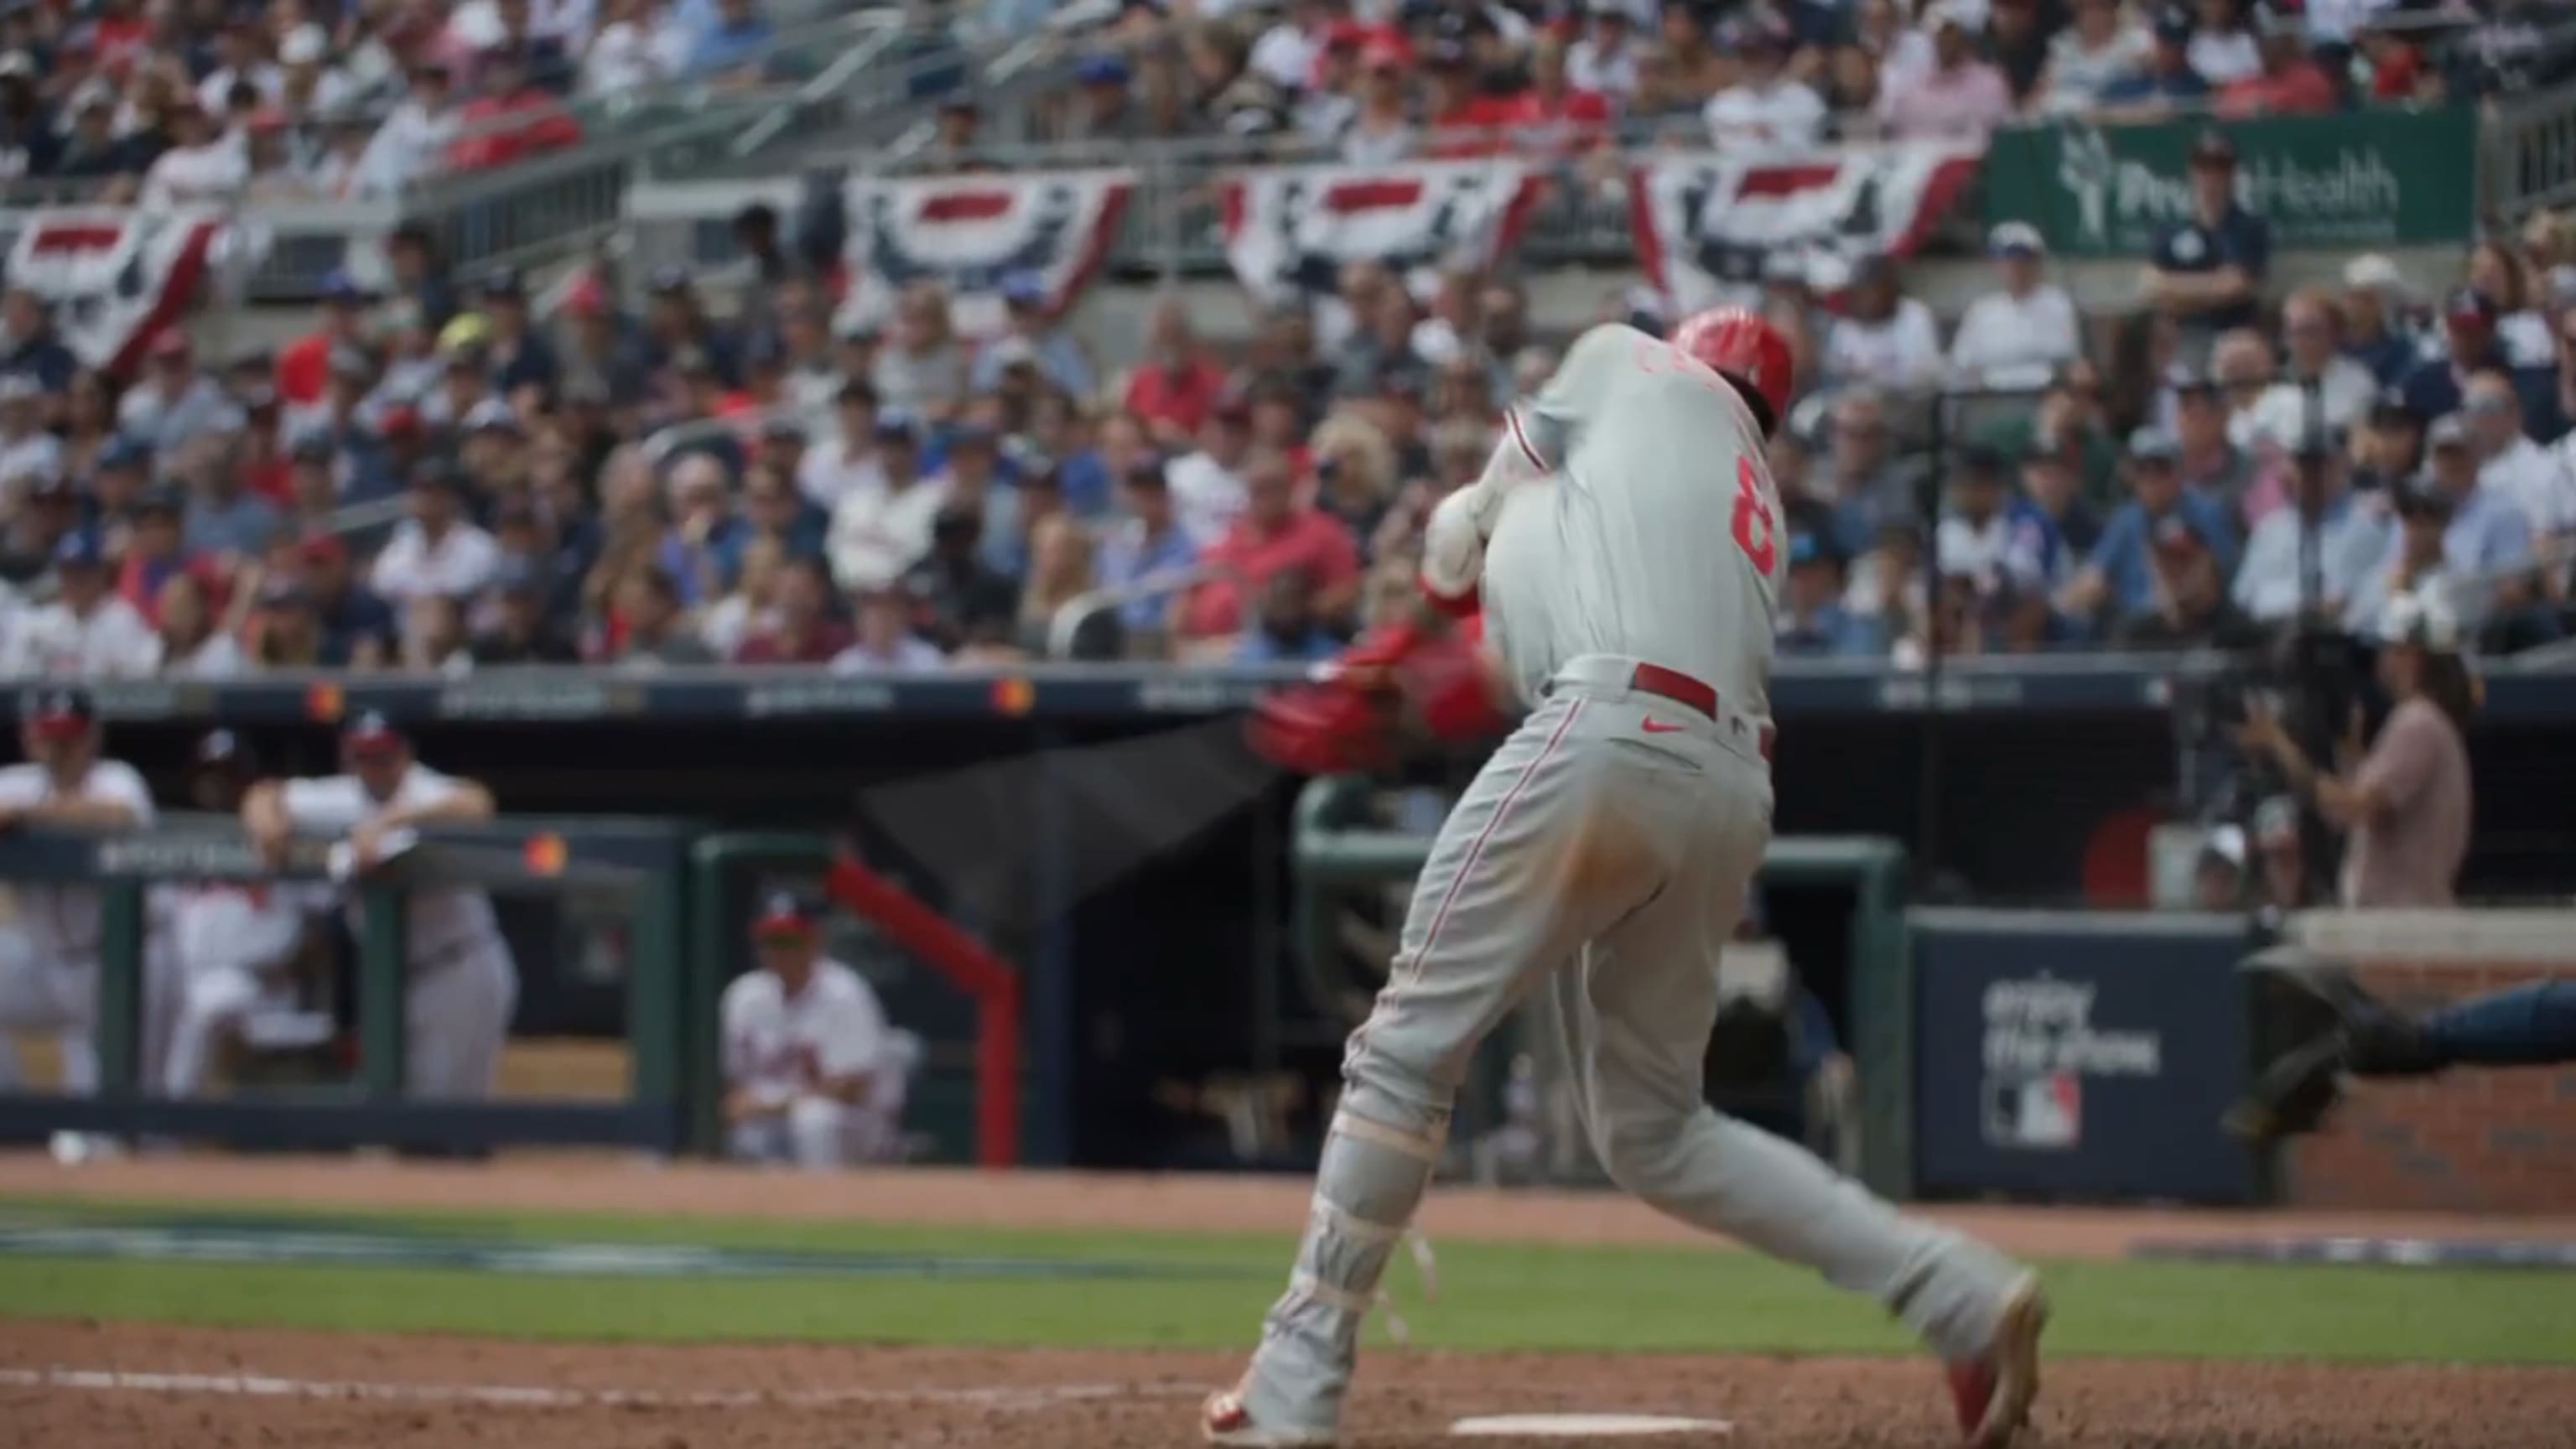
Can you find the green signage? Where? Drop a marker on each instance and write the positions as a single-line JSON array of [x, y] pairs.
[[2357, 179]]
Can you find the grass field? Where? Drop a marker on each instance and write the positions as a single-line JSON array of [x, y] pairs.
[[1207, 1291]]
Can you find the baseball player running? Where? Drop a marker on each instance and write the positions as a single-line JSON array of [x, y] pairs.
[[49, 956], [463, 984], [1624, 540]]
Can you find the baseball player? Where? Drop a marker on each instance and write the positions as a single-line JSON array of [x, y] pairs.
[[463, 984], [812, 1074], [1625, 548], [229, 946], [49, 955]]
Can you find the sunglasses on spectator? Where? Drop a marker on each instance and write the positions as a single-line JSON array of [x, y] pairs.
[[2489, 404]]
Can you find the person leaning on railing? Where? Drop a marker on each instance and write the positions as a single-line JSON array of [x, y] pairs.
[[2405, 801]]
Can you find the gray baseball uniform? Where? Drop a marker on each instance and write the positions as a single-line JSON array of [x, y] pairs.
[[1629, 585]]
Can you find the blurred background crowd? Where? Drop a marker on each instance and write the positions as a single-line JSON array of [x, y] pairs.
[[449, 470]]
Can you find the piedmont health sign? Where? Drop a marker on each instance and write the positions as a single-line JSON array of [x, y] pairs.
[[2358, 179]]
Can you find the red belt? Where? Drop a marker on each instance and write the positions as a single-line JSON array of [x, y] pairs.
[[1689, 693]]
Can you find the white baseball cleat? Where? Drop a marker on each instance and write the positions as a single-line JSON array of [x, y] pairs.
[[1993, 1392], [1226, 1419]]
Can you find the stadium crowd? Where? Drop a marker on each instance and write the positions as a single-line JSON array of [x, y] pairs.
[[780, 480]]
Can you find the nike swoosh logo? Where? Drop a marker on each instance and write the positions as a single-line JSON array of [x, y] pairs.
[[1655, 726]]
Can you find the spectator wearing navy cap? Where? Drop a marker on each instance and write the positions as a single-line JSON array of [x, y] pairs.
[[1029, 322], [960, 603], [521, 631], [29, 536], [1102, 111], [1813, 621], [87, 632], [523, 362], [49, 954], [437, 550], [814, 1077], [461, 985], [28, 344], [2190, 607], [877, 533], [2208, 268]]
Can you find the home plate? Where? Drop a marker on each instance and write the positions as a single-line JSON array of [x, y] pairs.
[[1583, 1426]]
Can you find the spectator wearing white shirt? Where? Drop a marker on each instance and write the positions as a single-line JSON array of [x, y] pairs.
[[2099, 47], [1287, 53], [203, 166], [307, 84], [437, 550], [2223, 48], [2351, 538], [238, 61], [412, 143], [1766, 106], [2510, 465], [2345, 390], [885, 641], [174, 402], [878, 533], [1604, 61], [845, 463], [2019, 336], [461, 985], [1884, 339], [191, 640], [49, 952], [813, 1075], [1382, 131], [87, 632], [641, 45], [1207, 484], [29, 454]]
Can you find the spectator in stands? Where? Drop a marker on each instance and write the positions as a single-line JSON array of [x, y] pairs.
[[960, 602], [1286, 629], [1381, 130], [1030, 335], [1207, 484], [2208, 269], [1959, 94], [87, 632], [1883, 339], [703, 529], [879, 532], [1146, 542], [729, 48], [1880, 32], [654, 630], [352, 626], [521, 632], [2240, 362], [1863, 484], [2164, 83], [433, 639], [804, 631], [1604, 61], [2416, 560], [2344, 389], [2018, 336], [1177, 385], [1765, 106], [203, 167], [2437, 386], [1813, 620], [2211, 464], [223, 517], [437, 550], [2351, 538], [847, 462], [1987, 533], [2496, 271], [28, 344], [2289, 82], [1274, 533], [640, 44], [971, 478], [2016, 40], [2090, 57], [28, 451], [511, 120], [1554, 116], [2510, 465], [883, 640], [2190, 607], [2120, 576], [174, 401], [1060, 570], [193, 642], [922, 368], [2223, 47], [2062, 523], [28, 538]]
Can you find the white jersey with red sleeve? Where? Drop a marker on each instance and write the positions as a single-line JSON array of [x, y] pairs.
[[1654, 532]]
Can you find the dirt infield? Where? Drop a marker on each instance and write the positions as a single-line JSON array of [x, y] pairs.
[[106, 1386]]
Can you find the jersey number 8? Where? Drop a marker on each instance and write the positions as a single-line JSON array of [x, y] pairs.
[[1755, 532]]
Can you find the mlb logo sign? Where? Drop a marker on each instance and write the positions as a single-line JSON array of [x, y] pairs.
[[2044, 1112]]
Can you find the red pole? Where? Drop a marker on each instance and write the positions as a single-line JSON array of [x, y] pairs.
[[974, 968]]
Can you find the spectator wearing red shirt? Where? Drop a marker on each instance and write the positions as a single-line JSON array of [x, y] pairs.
[[1274, 533], [1554, 117], [1465, 120], [511, 121], [2291, 83], [806, 632], [304, 365], [1177, 385]]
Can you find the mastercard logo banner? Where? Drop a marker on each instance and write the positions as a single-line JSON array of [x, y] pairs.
[[544, 854], [324, 702], [1014, 696]]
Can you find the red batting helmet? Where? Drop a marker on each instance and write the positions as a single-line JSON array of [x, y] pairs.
[[1746, 351]]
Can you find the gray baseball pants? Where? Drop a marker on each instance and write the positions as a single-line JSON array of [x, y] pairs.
[[1603, 852]]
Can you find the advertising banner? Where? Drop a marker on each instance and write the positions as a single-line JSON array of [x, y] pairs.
[[2084, 1056], [2371, 178]]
